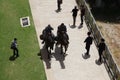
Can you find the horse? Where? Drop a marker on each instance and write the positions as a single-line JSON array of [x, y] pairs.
[[63, 39], [49, 41]]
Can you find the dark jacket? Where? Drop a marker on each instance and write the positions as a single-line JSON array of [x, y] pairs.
[[101, 46], [88, 40], [74, 12]]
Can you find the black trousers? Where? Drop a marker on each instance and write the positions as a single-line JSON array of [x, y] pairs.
[[82, 19], [59, 5], [15, 52], [74, 20], [88, 49], [100, 55]]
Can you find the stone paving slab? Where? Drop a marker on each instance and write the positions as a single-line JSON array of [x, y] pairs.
[[75, 66]]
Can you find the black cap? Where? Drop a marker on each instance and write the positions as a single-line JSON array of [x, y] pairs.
[[89, 33], [15, 38], [102, 40]]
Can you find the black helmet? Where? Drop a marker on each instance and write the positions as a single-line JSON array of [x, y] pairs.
[[15, 39], [102, 40], [89, 33]]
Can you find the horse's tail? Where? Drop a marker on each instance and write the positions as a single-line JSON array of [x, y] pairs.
[[41, 37]]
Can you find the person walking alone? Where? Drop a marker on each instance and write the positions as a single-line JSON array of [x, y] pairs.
[[59, 2], [14, 47], [88, 42], [101, 48], [82, 14], [74, 11]]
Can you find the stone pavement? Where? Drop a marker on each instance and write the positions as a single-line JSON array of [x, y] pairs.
[[75, 66]]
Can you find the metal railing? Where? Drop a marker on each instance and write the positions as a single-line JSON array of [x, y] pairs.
[[110, 63]]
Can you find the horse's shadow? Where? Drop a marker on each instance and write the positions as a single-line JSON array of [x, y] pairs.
[[59, 56], [44, 56]]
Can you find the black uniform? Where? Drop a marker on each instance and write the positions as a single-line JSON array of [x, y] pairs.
[[14, 47], [46, 31], [59, 2], [88, 42], [62, 32], [101, 48], [75, 11], [82, 14], [62, 28]]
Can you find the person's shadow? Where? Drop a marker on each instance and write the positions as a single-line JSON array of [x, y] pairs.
[[72, 26], [59, 57], [12, 58], [80, 26], [98, 62], [44, 56], [85, 56], [57, 11]]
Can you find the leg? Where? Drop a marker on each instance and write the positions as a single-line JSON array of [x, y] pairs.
[[81, 20], [16, 52], [58, 40], [87, 48], [100, 56], [59, 6], [43, 42], [74, 20], [13, 52], [61, 49], [88, 51], [58, 43], [49, 52], [52, 45], [66, 47]]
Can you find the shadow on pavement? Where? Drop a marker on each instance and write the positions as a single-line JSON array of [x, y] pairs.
[[80, 26], [57, 11], [85, 56], [72, 26], [44, 56], [98, 62], [59, 57]]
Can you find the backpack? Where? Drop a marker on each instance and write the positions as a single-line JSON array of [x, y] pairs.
[[12, 46], [41, 37]]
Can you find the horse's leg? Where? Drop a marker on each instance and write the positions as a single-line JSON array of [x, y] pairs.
[[57, 43], [66, 47], [49, 53], [61, 49], [64, 51]]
